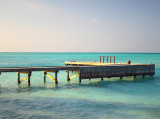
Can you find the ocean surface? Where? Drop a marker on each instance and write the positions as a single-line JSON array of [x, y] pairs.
[[94, 99]]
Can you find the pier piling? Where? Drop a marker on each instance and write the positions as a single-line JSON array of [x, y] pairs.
[[47, 74], [121, 77], [56, 81], [101, 78], [68, 79], [79, 76], [44, 76], [29, 75], [18, 77]]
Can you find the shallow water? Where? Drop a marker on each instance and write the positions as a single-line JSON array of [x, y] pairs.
[[108, 99]]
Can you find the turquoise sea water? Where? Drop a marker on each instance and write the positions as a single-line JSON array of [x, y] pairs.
[[94, 99]]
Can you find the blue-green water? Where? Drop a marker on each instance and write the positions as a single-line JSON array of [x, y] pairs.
[[94, 99]]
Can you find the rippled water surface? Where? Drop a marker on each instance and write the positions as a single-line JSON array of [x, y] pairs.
[[94, 99]]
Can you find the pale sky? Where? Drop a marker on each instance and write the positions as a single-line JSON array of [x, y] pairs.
[[80, 26]]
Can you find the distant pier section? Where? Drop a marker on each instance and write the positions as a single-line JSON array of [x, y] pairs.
[[86, 70]]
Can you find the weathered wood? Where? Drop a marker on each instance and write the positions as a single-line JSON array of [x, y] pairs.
[[18, 77], [121, 77], [116, 71], [23, 79], [56, 81], [44, 76], [89, 70], [50, 77], [143, 76], [74, 76], [134, 77], [79, 76], [101, 78], [68, 79], [29, 75], [24, 72], [51, 71], [151, 75]]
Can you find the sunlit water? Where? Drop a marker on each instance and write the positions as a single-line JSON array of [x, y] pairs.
[[94, 99]]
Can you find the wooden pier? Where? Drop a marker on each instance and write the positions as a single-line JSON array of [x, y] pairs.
[[85, 70]]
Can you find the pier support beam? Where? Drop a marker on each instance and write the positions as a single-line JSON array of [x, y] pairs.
[[68, 79], [101, 78], [144, 76], [44, 76], [79, 72], [134, 77], [74, 76], [45, 73], [27, 77], [56, 81], [18, 78], [151, 75], [121, 77]]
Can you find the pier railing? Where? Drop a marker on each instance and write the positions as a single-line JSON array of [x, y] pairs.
[[108, 58]]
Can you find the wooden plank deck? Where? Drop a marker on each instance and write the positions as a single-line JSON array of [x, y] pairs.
[[83, 63], [88, 70]]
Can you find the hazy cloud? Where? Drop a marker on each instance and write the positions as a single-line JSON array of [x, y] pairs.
[[94, 20]]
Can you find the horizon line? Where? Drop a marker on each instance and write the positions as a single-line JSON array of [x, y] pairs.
[[81, 52]]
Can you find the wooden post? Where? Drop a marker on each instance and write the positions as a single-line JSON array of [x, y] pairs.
[[29, 75], [151, 75], [56, 82], [18, 77], [44, 76], [143, 76], [134, 77], [100, 59], [72, 65], [101, 78], [79, 76], [68, 79], [110, 59], [121, 77], [107, 59], [89, 79], [114, 59], [103, 59]]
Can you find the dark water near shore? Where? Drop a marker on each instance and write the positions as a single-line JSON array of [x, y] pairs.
[[94, 99]]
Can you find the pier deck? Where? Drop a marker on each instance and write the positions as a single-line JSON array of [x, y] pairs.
[[85, 72], [85, 63]]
